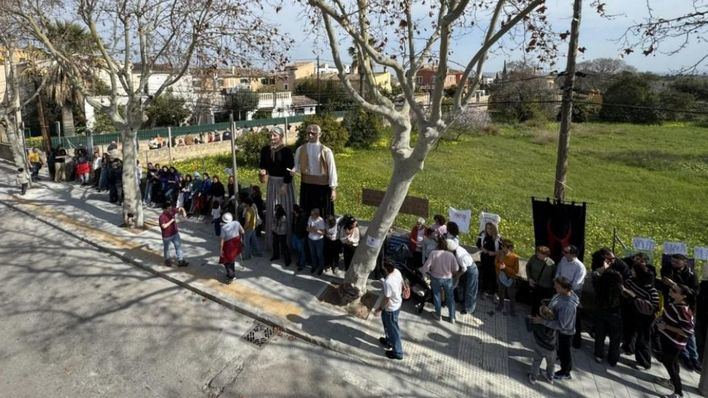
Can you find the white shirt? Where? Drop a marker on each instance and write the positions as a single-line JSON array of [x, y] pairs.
[[230, 230], [464, 259], [393, 289], [574, 271], [313, 158], [317, 223]]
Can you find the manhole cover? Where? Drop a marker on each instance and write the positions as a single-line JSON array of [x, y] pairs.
[[259, 334]]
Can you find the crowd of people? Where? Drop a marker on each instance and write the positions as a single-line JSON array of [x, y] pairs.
[[643, 314]]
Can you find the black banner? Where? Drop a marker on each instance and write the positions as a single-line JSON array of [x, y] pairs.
[[558, 224]]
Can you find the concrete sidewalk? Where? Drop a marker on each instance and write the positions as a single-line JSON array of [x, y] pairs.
[[484, 355]]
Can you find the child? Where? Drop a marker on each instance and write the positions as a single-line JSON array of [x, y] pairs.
[[316, 231], [546, 340], [332, 246], [507, 268], [280, 235], [230, 245], [429, 243], [216, 217], [22, 180]]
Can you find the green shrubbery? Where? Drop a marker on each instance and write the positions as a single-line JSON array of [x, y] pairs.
[[249, 147], [334, 135], [364, 127]]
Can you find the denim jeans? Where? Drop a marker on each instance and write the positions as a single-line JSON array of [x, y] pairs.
[[316, 248], [690, 353], [250, 247], [147, 198], [393, 332], [298, 245], [471, 286], [445, 284], [177, 242]]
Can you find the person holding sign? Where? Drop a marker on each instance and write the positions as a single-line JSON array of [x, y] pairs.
[[318, 172], [489, 243]]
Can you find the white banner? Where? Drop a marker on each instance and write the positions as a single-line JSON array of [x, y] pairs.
[[701, 253], [643, 244], [460, 217], [484, 218], [675, 248]]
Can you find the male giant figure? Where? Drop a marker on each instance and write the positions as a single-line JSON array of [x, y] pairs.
[[318, 174]]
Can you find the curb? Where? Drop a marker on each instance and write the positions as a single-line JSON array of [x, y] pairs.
[[251, 313]]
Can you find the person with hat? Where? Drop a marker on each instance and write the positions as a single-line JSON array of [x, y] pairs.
[[230, 246], [275, 161], [318, 184]]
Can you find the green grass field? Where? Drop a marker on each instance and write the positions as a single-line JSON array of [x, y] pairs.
[[642, 180]]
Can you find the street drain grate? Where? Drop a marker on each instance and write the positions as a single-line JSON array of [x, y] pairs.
[[259, 334]]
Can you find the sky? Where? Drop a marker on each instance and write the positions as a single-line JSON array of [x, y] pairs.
[[598, 35]]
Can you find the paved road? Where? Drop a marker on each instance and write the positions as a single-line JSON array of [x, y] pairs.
[[78, 323]]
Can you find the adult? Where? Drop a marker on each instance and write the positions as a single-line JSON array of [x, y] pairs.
[[415, 243], [217, 191], [150, 181], [614, 263], [442, 266], [170, 233], [675, 326], [389, 310], [60, 165], [275, 160], [439, 225], [112, 146], [607, 285], [349, 237], [564, 305], [640, 303], [35, 160], [540, 271], [573, 270], [230, 244], [489, 244], [467, 276], [318, 172]]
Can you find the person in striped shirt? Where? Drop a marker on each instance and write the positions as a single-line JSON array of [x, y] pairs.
[[675, 327], [640, 303]]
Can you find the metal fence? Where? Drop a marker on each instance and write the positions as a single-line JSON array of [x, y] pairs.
[[144, 135]]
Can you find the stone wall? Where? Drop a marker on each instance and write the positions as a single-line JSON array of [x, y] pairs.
[[179, 153]]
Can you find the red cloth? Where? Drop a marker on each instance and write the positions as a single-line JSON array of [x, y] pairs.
[[83, 168], [231, 250], [413, 238], [165, 217]]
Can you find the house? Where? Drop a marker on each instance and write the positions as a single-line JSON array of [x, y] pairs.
[[299, 70], [425, 78], [303, 105], [381, 79]]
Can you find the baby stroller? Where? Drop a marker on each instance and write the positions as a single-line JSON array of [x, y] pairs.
[[397, 250]]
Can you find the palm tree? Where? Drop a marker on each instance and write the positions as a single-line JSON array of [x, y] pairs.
[[354, 54], [74, 41]]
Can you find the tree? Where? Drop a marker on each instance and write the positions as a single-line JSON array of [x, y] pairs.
[[670, 35], [334, 135], [167, 110], [364, 127], [522, 94], [241, 102], [597, 74], [398, 33], [156, 33], [630, 100]]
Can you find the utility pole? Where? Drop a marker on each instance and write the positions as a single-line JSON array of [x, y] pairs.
[[567, 105], [232, 127], [318, 85]]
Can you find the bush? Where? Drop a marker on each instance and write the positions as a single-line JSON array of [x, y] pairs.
[[249, 146], [630, 99], [364, 128], [333, 134], [674, 102]]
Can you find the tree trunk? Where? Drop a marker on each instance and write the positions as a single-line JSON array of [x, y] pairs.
[[16, 145], [567, 105], [67, 120], [364, 261], [132, 201], [43, 124]]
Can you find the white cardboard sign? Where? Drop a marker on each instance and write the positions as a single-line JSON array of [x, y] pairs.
[[643, 244], [484, 218], [701, 253], [460, 217], [675, 248]]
